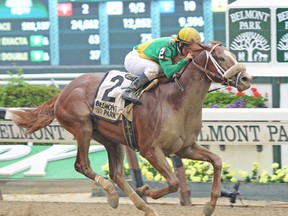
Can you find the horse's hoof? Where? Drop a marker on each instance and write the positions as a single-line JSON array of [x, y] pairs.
[[141, 190], [208, 209], [153, 213], [113, 200]]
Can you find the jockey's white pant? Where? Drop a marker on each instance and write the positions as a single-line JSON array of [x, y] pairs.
[[137, 65]]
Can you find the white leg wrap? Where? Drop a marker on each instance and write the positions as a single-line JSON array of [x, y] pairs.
[[97, 179]]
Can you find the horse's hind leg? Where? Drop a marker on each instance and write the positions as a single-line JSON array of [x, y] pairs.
[[112, 196], [74, 114], [116, 173], [83, 134], [82, 165], [197, 152]]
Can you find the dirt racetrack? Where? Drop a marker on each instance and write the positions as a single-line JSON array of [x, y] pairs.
[[98, 209], [84, 205]]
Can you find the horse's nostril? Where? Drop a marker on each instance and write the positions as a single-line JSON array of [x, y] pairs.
[[244, 79]]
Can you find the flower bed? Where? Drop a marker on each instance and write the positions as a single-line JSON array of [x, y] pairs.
[[258, 186], [227, 98], [199, 171]]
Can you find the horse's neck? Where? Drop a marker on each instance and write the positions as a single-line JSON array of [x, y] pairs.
[[196, 85]]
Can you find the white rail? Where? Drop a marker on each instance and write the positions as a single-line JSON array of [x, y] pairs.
[[225, 114], [253, 114], [43, 76]]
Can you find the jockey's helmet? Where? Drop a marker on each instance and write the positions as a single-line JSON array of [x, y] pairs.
[[188, 35]]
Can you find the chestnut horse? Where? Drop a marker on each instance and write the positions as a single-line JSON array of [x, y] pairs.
[[168, 122]]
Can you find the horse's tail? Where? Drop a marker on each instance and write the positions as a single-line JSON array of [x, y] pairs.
[[34, 119]]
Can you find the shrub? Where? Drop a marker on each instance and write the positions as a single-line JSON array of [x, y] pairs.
[[18, 93]]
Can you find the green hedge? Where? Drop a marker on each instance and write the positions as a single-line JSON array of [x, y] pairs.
[[18, 93]]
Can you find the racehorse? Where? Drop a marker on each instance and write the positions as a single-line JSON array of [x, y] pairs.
[[168, 122]]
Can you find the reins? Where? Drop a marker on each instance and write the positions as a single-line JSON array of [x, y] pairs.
[[207, 72], [178, 75]]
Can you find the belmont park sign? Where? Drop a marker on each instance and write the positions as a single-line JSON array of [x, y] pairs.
[[257, 31], [212, 133]]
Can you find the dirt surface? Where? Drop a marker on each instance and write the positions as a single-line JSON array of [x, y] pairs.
[[92, 209], [85, 205]]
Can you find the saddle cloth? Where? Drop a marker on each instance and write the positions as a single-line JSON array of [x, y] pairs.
[[108, 103]]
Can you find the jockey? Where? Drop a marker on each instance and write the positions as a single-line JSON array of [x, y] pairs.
[[147, 59]]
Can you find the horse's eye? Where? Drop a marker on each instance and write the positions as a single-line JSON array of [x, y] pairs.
[[221, 59]]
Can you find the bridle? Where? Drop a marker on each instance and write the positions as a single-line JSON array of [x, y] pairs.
[[224, 75], [210, 74], [221, 73]]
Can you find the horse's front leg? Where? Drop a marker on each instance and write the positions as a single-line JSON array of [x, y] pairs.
[[158, 160], [116, 172], [197, 152]]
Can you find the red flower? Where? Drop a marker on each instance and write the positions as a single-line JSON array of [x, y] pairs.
[[253, 89], [256, 94], [239, 94], [229, 88]]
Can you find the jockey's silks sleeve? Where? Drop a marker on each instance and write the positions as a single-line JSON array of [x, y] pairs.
[[169, 69], [161, 51]]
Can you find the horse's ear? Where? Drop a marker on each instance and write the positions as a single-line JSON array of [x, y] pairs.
[[204, 46], [195, 47], [216, 42]]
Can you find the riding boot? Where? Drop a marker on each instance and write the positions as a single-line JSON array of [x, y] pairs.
[[130, 92]]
